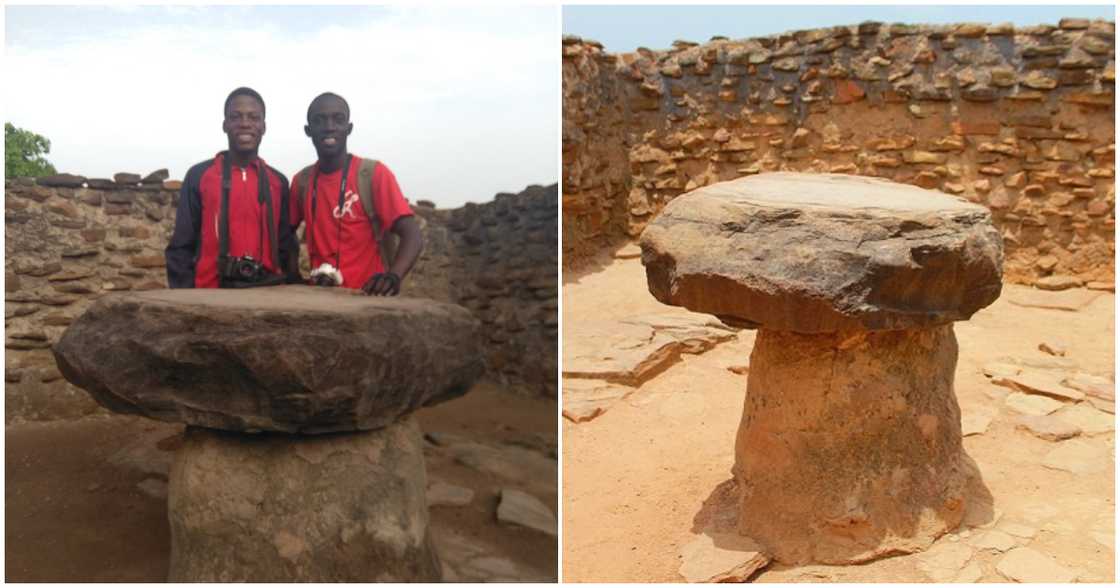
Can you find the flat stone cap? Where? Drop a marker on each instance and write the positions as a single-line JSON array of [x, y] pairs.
[[286, 358], [815, 253]]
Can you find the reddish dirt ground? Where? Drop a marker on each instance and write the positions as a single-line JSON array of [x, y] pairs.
[[639, 480]]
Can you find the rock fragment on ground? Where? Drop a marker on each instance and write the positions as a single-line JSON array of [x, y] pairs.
[[1090, 420], [944, 561], [975, 422], [1103, 405], [721, 557], [1054, 283], [993, 539], [630, 251], [585, 400], [1092, 386], [1067, 300], [1077, 457], [1047, 427], [515, 464], [633, 350], [519, 508], [1000, 369], [154, 487], [1039, 382], [444, 494], [1020, 530], [1024, 564], [1030, 404], [1053, 347]]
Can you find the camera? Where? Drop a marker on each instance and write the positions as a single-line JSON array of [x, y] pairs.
[[243, 269], [326, 275]]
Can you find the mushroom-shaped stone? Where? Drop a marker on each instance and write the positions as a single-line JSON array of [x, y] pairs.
[[850, 442], [278, 505], [824, 253], [288, 358]]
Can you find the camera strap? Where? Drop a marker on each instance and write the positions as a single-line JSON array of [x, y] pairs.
[[341, 203], [264, 196]]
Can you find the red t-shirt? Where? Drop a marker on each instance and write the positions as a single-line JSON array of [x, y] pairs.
[[360, 257], [248, 233]]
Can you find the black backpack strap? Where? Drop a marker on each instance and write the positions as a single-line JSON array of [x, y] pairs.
[[264, 196], [223, 219]]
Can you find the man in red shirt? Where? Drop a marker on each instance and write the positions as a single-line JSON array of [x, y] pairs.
[[340, 232], [256, 225]]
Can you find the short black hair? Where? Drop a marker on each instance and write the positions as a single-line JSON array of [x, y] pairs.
[[328, 95], [243, 91]]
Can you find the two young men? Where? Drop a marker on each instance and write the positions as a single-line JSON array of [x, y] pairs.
[[236, 219]]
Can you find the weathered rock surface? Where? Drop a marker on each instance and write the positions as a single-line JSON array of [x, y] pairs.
[[632, 350], [816, 253], [873, 449], [279, 507], [715, 557], [288, 358], [518, 508]]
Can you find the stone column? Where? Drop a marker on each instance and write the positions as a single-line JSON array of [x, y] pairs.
[[301, 462], [850, 445]]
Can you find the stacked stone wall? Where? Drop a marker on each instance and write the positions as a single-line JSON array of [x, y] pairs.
[[70, 240], [1020, 120]]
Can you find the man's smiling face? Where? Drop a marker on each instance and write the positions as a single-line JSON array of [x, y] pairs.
[[328, 125], [244, 123]]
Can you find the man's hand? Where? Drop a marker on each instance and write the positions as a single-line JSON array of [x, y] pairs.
[[386, 284]]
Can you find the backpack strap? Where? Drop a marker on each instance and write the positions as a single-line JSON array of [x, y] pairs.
[[365, 191], [300, 185], [386, 243]]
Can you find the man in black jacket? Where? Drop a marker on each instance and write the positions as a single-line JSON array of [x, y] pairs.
[[257, 236]]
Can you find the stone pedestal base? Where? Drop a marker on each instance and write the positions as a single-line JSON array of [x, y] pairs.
[[278, 507], [850, 444]]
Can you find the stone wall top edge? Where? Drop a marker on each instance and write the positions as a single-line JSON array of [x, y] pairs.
[[866, 28]]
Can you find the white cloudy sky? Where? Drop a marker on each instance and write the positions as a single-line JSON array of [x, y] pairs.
[[461, 102]]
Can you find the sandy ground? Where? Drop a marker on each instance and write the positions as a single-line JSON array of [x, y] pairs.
[[636, 479], [86, 500]]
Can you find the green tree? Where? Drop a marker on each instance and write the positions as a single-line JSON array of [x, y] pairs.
[[25, 153]]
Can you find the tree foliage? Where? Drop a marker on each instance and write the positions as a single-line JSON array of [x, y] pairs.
[[25, 153]]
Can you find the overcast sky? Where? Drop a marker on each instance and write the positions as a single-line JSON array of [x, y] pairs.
[[625, 28], [461, 103]]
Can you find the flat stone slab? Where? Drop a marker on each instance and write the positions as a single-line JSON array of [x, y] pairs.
[[633, 350], [1068, 300], [1038, 382], [816, 253], [287, 358], [1027, 565], [519, 508], [721, 558], [585, 400]]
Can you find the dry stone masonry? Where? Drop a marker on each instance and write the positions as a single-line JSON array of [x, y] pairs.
[[850, 443], [1020, 120], [70, 239], [253, 495]]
